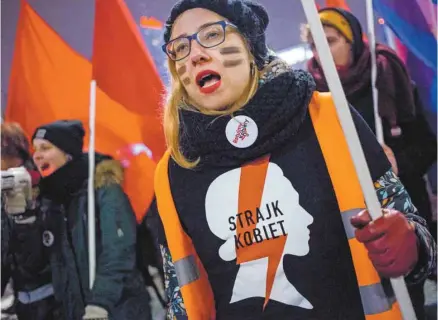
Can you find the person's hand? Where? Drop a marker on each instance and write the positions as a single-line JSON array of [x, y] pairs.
[[391, 157], [95, 313], [390, 240]]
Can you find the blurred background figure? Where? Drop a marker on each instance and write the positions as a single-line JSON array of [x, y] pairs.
[[409, 141], [23, 259]]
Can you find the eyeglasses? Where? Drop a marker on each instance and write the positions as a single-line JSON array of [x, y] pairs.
[[208, 36]]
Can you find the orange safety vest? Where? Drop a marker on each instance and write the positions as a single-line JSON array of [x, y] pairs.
[[192, 277]]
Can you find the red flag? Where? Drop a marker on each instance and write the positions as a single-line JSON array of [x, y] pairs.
[[50, 81], [124, 69], [337, 3]]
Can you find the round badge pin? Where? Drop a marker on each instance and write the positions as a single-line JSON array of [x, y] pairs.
[[48, 238], [241, 131]]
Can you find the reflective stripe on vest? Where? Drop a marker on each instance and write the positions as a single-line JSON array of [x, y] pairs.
[[376, 305], [186, 270], [374, 299], [348, 227], [40, 293]]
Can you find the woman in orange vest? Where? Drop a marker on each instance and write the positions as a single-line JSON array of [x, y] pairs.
[[258, 212]]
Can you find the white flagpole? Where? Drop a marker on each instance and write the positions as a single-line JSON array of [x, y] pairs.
[[351, 136], [372, 43], [390, 38], [91, 206]]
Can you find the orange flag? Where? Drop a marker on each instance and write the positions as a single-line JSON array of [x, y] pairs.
[[150, 23], [337, 3], [124, 69], [50, 81]]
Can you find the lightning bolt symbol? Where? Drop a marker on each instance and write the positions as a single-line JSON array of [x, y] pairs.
[[252, 183]]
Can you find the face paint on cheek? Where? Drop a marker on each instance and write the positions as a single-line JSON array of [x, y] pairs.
[[232, 63], [230, 50], [181, 70]]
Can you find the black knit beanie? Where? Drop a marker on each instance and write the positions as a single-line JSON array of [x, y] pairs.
[[357, 43], [249, 17], [67, 135]]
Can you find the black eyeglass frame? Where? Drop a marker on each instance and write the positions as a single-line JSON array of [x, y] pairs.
[[194, 36]]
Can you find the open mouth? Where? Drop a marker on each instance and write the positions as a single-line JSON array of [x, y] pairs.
[[208, 81], [44, 167]]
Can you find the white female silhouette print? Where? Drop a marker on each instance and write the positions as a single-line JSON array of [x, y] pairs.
[[258, 236]]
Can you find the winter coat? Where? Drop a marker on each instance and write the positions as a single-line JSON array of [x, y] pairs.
[[118, 286], [26, 262]]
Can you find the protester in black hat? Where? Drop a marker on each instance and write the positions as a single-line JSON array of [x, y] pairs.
[[244, 181], [23, 260], [410, 143], [118, 291]]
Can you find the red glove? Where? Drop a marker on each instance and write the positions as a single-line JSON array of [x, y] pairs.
[[391, 242]]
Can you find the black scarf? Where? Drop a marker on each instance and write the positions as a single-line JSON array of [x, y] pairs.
[[278, 108], [395, 98], [65, 182]]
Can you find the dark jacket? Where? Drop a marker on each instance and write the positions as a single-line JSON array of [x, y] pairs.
[[118, 286], [26, 262], [415, 148]]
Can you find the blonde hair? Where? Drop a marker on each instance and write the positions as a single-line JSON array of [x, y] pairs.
[[305, 33], [177, 98]]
